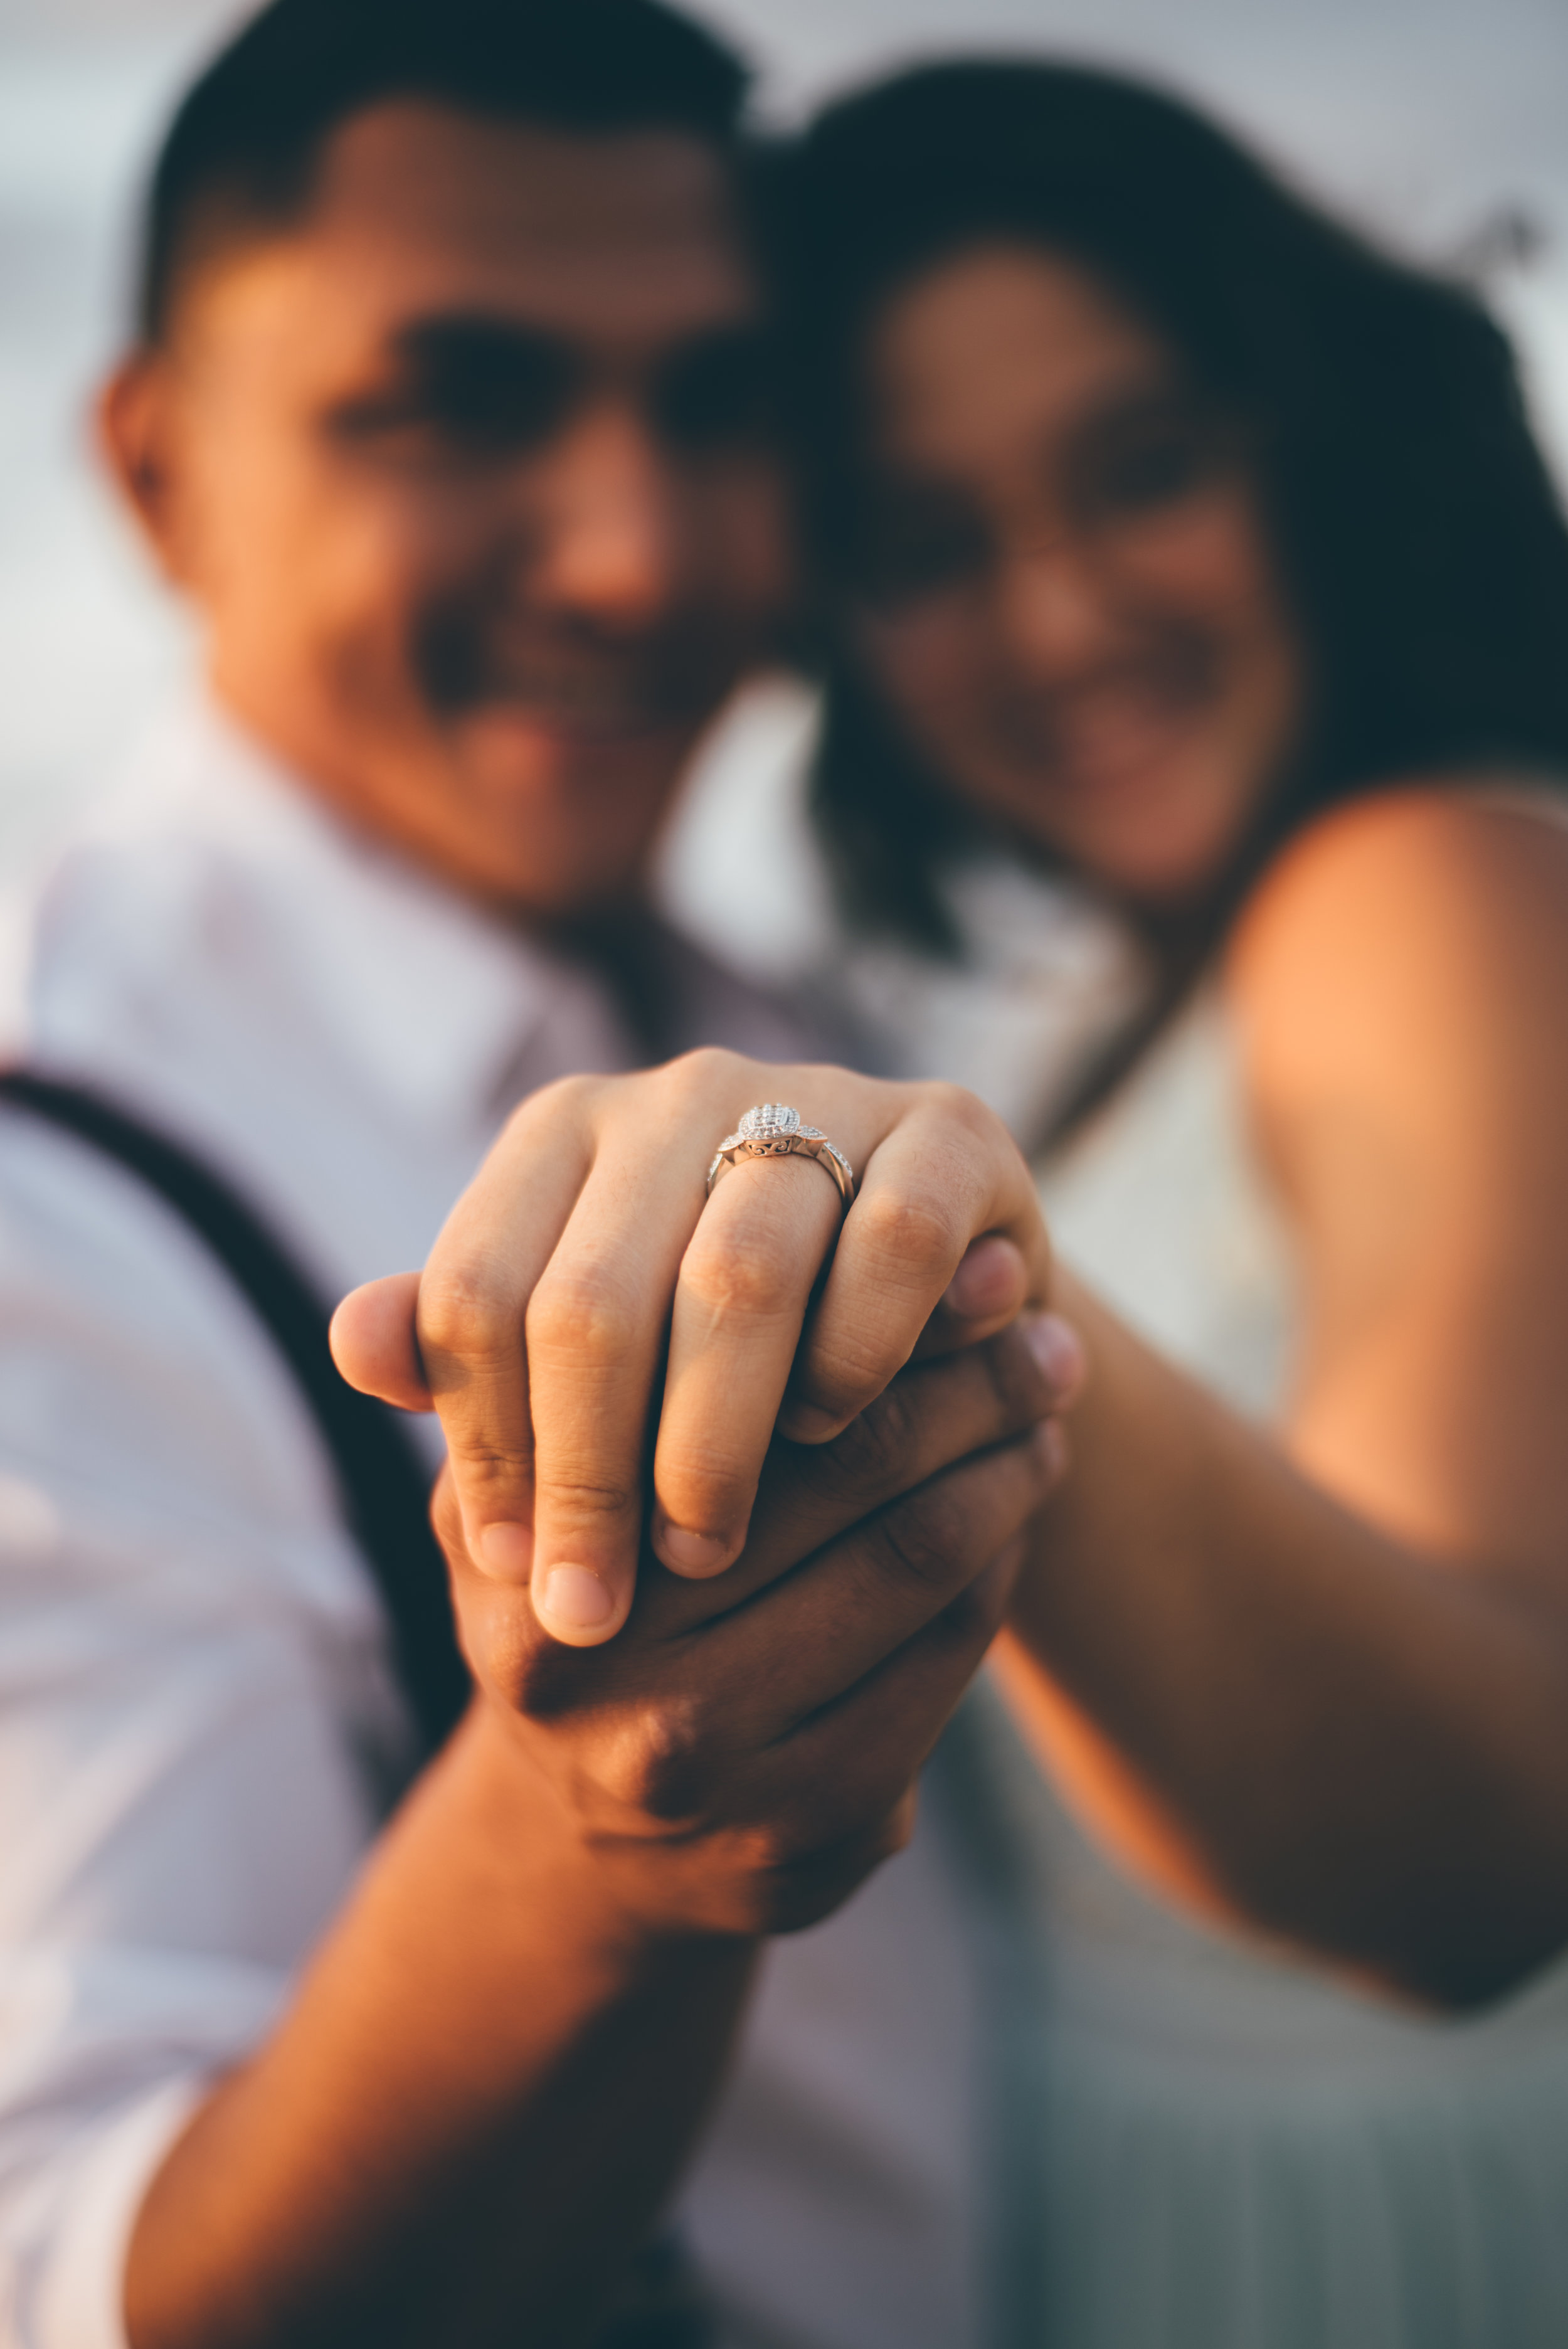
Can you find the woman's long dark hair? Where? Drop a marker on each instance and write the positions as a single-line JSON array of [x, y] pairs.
[[1422, 547]]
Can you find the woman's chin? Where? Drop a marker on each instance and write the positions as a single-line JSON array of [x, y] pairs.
[[1162, 842]]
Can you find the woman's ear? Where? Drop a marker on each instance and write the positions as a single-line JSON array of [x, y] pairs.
[[138, 437]]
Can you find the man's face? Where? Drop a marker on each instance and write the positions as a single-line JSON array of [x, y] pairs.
[[469, 476]]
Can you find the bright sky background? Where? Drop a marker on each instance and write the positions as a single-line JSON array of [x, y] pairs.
[[1430, 119]]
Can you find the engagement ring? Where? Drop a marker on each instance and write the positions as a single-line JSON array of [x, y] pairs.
[[773, 1130]]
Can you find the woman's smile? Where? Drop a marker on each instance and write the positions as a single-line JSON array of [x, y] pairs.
[[1086, 631]]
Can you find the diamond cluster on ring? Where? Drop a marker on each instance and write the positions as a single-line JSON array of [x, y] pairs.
[[770, 1122]]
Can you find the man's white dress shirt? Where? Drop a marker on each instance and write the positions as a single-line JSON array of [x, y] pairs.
[[198, 1727]]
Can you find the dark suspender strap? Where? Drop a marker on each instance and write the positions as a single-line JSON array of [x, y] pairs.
[[381, 1478]]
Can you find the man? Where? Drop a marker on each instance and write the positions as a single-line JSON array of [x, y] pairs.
[[448, 411]]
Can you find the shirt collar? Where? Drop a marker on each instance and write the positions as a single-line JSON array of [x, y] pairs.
[[434, 997]]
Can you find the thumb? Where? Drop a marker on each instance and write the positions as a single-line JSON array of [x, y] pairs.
[[374, 1345]]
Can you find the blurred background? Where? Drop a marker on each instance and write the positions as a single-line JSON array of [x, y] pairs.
[[1441, 124]]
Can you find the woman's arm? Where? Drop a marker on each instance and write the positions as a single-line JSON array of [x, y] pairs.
[[1325, 1686]]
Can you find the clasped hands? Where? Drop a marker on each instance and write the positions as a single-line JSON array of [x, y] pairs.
[[772, 1472]]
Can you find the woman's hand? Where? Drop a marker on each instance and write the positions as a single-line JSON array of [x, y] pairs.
[[583, 1265]]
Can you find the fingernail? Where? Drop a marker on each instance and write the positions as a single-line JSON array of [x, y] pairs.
[[506, 1551], [575, 1598], [1058, 1350], [691, 1553]]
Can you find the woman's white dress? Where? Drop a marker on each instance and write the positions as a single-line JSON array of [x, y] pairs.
[[1243, 2151]]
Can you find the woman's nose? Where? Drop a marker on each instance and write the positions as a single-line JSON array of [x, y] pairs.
[[609, 547], [1052, 603]]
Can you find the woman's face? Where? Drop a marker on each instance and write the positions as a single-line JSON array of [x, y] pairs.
[[1064, 589]]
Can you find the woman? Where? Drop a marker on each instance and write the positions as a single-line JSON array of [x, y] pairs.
[[1183, 551]]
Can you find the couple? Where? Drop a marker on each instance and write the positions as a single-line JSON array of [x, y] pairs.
[[1161, 541]]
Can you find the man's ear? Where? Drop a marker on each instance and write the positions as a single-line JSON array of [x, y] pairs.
[[138, 435]]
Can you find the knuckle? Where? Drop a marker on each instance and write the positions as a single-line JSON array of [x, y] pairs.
[[699, 1075], [466, 1308], [568, 1096], [915, 1232], [716, 1479], [777, 1847], [706, 1060], [656, 1762], [962, 1108], [582, 1498], [811, 1877], [924, 1537], [879, 1444], [583, 1313], [745, 1272], [790, 1877], [1014, 1379], [849, 1371], [482, 1462]]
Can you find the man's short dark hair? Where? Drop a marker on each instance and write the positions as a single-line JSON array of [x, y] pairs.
[[241, 154]]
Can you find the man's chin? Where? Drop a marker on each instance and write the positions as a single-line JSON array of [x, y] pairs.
[[555, 823]]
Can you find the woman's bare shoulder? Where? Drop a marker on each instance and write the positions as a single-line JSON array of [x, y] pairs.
[[1436, 911]]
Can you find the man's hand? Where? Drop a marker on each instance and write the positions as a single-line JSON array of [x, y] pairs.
[[745, 1753], [485, 2086]]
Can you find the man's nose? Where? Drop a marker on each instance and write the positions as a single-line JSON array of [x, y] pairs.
[[610, 547]]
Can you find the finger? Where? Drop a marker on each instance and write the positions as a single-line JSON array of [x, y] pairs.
[[800, 1644], [473, 1296], [884, 1582], [1062, 1356], [373, 1342], [745, 1284], [933, 1416], [853, 1758], [930, 1418], [758, 1677], [542, 1344], [984, 1295], [947, 1172], [839, 1796], [597, 1331]]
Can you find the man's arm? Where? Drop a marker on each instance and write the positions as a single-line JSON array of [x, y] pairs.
[[474, 2109], [505, 2048]]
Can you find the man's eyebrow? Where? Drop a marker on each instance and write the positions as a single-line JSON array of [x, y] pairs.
[[460, 337], [490, 379], [480, 336]]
